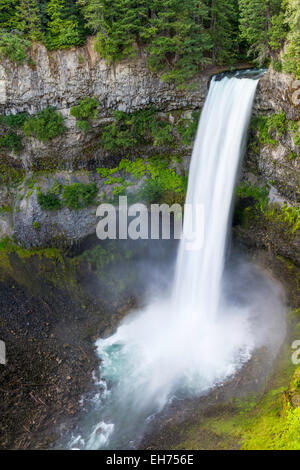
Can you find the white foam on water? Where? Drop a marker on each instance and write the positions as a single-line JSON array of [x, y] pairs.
[[195, 339]]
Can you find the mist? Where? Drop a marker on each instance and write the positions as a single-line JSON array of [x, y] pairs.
[[201, 319]]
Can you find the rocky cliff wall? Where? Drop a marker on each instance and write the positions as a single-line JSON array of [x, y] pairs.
[[61, 79], [279, 163]]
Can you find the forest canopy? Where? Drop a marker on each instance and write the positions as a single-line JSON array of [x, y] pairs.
[[179, 37]]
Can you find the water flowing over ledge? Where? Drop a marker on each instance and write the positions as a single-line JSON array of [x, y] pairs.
[[195, 338]]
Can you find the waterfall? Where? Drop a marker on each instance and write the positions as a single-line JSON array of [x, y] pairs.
[[185, 344], [215, 161]]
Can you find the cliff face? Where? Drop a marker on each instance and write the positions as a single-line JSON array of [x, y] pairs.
[[61, 79], [278, 164]]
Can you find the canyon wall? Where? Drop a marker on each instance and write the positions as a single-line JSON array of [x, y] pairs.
[[60, 79]]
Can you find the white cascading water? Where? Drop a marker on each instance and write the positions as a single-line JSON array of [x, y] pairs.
[[193, 340]]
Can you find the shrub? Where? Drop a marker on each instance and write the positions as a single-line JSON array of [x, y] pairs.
[[5, 209], [11, 141], [277, 65], [10, 175], [152, 191], [277, 123], [187, 128], [293, 156], [269, 127], [289, 216], [36, 225], [138, 128], [49, 201], [260, 195], [160, 181], [79, 195], [44, 125], [291, 57], [294, 128], [13, 46], [84, 112], [13, 120]]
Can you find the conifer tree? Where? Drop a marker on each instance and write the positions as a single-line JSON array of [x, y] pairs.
[[178, 38], [257, 24], [64, 28], [291, 58], [118, 24], [28, 19], [7, 13], [224, 30]]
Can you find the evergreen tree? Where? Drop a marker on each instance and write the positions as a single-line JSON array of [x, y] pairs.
[[7, 13], [172, 31], [65, 27], [291, 58], [28, 19], [258, 22], [178, 38], [224, 30], [118, 24]]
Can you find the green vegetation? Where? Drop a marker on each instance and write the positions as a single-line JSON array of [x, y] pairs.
[[293, 156], [132, 129], [73, 196], [79, 195], [291, 57], [146, 126], [5, 209], [161, 183], [10, 175], [102, 256], [262, 27], [65, 26], [11, 141], [261, 425], [294, 128], [49, 201], [260, 195], [44, 125], [175, 33], [287, 216], [271, 128], [13, 46], [36, 225], [187, 128], [85, 112], [179, 37], [128, 131], [13, 120], [268, 26], [8, 246]]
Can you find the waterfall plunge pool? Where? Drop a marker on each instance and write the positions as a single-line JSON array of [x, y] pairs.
[[202, 333]]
